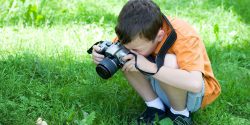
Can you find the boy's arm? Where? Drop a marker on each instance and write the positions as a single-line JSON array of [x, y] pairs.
[[183, 79], [190, 81], [191, 64]]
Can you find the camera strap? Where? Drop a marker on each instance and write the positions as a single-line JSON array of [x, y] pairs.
[[159, 60]]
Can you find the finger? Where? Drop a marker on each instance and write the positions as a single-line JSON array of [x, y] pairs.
[[96, 62], [98, 59], [97, 55], [128, 57], [130, 68], [96, 48], [127, 65], [124, 67]]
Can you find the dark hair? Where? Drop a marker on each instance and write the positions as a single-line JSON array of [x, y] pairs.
[[138, 18]]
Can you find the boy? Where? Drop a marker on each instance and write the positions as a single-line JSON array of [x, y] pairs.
[[184, 83]]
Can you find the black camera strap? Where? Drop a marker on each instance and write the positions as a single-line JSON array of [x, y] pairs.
[[159, 60]]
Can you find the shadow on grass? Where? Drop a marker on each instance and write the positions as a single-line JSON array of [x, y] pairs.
[[61, 90]]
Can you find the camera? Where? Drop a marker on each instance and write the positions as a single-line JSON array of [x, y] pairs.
[[113, 53]]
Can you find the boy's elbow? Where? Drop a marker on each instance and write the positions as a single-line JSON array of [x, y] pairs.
[[197, 86], [197, 80]]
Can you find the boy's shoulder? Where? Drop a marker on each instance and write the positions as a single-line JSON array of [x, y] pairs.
[[186, 36], [183, 28]]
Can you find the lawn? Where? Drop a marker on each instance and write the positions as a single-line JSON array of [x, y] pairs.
[[46, 72]]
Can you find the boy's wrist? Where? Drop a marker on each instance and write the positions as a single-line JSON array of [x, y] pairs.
[[152, 67]]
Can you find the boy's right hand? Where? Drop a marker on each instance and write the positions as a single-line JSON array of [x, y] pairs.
[[97, 58]]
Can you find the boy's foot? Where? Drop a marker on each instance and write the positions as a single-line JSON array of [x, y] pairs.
[[150, 116], [180, 119]]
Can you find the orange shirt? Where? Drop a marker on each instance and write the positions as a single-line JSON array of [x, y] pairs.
[[192, 56]]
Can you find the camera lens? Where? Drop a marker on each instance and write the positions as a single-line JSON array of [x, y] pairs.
[[107, 67]]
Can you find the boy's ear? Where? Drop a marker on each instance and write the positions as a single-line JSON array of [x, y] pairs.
[[160, 35]]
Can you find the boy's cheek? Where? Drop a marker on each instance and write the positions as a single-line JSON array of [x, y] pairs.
[[144, 54]]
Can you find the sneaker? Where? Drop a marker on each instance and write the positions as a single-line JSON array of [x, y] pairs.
[[151, 116], [180, 119]]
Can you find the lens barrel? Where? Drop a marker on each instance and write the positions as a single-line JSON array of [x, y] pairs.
[[107, 67]]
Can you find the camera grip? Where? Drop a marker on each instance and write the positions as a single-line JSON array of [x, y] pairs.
[[89, 51]]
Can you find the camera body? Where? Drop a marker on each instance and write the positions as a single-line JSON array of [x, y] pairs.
[[113, 53]]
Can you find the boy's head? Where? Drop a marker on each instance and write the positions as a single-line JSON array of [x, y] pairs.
[[139, 20]]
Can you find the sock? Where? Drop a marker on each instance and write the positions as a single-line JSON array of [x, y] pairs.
[[184, 112], [156, 103]]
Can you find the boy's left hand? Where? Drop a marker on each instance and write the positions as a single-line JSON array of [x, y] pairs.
[[142, 63]]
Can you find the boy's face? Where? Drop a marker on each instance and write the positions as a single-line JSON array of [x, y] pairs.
[[142, 46]]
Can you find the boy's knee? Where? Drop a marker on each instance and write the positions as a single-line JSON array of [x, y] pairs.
[[171, 61]]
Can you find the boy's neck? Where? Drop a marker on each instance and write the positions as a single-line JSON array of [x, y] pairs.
[[167, 31]]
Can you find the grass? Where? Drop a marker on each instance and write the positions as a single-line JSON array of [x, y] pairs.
[[46, 72]]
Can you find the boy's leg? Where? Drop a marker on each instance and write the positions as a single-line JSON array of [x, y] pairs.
[[176, 97], [155, 106], [180, 101], [190, 101], [141, 85]]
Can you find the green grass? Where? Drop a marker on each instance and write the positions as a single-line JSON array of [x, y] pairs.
[[46, 72]]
